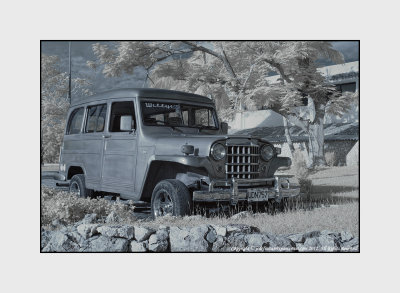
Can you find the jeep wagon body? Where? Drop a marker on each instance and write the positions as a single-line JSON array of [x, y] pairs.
[[167, 148]]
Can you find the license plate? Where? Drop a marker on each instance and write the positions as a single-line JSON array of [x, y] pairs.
[[257, 195]]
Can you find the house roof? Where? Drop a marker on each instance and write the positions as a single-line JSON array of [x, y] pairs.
[[333, 132]]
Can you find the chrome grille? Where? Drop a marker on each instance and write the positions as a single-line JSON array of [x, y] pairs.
[[242, 161]]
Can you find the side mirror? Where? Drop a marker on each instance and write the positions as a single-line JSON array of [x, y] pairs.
[[224, 128], [126, 123]]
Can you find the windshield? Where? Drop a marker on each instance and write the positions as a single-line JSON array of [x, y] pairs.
[[181, 115]]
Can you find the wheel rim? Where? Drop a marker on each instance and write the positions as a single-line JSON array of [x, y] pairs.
[[74, 188], [162, 204]]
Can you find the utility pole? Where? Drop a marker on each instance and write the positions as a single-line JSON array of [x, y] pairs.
[[69, 80]]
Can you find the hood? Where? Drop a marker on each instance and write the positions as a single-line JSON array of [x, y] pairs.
[[171, 145]]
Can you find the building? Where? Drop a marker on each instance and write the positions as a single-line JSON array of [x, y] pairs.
[[341, 132]]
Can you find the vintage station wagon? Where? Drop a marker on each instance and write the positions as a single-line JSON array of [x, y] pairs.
[[167, 148]]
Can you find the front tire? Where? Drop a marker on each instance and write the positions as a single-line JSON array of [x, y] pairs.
[[170, 197], [78, 187]]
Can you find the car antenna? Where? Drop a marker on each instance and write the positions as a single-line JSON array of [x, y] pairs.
[[69, 79]]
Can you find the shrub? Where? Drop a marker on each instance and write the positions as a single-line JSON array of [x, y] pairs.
[[67, 207], [301, 171], [299, 165], [330, 158]]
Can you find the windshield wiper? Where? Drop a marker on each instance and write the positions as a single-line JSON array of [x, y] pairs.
[[174, 128], [169, 125], [201, 127]]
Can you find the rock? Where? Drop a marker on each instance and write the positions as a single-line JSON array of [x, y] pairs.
[[45, 237], [158, 242], [107, 244], [211, 236], [352, 245], [58, 224], [346, 236], [142, 234], [311, 234], [297, 238], [280, 243], [256, 242], [88, 230], [197, 239], [241, 215], [137, 246], [322, 243], [190, 240], [236, 242], [219, 244], [61, 242], [220, 230], [121, 231], [89, 219], [328, 243], [179, 239], [327, 232], [241, 229], [113, 218], [301, 248], [311, 244]]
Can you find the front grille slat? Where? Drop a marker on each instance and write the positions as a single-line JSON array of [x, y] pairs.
[[242, 162]]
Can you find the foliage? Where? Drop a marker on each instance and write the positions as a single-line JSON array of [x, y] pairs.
[[299, 165], [302, 172], [69, 208], [233, 74], [331, 159], [54, 105]]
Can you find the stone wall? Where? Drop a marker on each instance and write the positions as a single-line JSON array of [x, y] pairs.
[[94, 235]]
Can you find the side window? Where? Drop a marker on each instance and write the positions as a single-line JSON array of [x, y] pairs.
[[96, 117], [75, 121], [204, 117], [119, 109]]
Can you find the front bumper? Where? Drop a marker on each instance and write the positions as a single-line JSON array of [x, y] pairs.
[[235, 190]]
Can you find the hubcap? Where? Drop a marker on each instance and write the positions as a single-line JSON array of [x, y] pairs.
[[163, 204], [74, 188]]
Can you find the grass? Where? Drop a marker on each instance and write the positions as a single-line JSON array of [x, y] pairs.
[[65, 206], [333, 205], [334, 218]]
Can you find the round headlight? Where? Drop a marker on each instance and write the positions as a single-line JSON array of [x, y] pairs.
[[267, 152], [218, 151]]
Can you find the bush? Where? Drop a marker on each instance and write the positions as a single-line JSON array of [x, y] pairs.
[[67, 207], [301, 171], [330, 158], [299, 165]]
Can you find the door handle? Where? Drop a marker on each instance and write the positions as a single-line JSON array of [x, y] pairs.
[[106, 135]]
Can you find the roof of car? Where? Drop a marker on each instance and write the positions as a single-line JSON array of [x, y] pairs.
[[142, 92]]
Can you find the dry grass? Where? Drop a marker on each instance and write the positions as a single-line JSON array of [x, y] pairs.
[[336, 187], [335, 218], [65, 206]]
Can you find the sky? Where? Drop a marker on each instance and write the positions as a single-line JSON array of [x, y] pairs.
[[81, 51]]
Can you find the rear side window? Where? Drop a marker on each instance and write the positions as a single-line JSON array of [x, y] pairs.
[[119, 109], [96, 118], [75, 121]]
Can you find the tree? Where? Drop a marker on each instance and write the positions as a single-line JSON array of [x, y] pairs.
[[54, 105], [300, 81], [236, 71]]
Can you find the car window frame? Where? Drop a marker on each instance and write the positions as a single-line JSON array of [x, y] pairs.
[[71, 116], [88, 107]]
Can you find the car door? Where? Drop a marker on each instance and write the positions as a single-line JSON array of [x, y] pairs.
[[120, 148], [92, 141]]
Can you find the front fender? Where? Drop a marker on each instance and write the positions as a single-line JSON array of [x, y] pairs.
[[277, 162], [187, 163]]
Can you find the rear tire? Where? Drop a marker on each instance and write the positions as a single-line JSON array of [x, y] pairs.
[[170, 197], [77, 186]]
